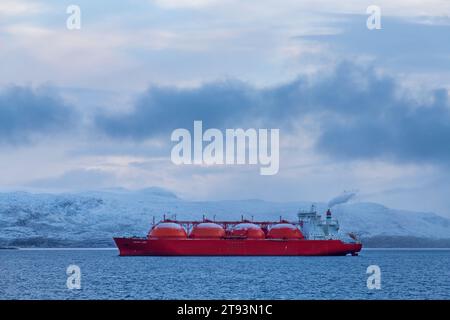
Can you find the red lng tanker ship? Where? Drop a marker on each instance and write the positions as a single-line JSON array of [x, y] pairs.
[[309, 236]]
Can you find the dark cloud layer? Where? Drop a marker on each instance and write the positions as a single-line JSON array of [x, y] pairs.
[[361, 114], [162, 109], [26, 113]]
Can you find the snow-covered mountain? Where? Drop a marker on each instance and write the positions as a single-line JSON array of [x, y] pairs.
[[94, 217]]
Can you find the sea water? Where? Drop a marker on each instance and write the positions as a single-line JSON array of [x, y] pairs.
[[42, 274]]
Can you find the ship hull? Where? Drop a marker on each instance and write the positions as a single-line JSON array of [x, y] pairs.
[[233, 247]]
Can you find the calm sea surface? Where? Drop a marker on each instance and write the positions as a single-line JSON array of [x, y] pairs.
[[405, 274]]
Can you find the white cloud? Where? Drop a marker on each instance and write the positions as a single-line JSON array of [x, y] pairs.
[[107, 52], [172, 4], [267, 7], [226, 39], [20, 7]]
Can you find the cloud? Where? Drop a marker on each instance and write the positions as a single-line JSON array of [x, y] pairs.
[[20, 7], [413, 44], [360, 114], [372, 118], [175, 4], [26, 113], [398, 8], [162, 109]]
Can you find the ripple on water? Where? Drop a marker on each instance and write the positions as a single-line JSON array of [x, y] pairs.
[[41, 274]]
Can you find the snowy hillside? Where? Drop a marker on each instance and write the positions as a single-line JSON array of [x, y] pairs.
[[94, 217]]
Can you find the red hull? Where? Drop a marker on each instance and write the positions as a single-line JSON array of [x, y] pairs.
[[234, 247]]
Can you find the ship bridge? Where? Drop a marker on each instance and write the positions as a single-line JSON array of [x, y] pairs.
[[316, 228]]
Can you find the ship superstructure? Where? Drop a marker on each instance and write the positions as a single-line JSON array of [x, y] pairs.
[[316, 228]]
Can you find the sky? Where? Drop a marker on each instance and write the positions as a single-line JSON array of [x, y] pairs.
[[357, 109]]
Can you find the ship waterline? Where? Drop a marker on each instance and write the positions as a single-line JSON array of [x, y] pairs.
[[234, 247]]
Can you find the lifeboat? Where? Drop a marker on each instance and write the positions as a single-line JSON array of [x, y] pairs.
[[248, 230], [207, 230], [284, 231], [167, 230]]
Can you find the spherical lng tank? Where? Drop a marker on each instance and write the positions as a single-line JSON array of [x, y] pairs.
[[284, 231], [207, 230], [168, 230], [248, 230]]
